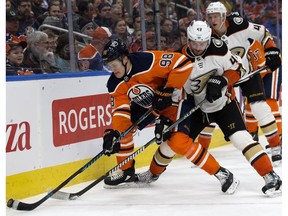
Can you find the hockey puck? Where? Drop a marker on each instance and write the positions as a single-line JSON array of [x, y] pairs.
[[10, 203]]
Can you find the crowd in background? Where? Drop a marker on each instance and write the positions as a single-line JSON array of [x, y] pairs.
[[32, 47]]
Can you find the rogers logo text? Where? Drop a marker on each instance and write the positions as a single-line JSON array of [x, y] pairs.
[[80, 119]]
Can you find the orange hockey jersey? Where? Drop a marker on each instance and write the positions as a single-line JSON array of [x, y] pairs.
[[149, 71]]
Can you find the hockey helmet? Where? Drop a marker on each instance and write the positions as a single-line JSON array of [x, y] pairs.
[[114, 49], [199, 31], [216, 7]]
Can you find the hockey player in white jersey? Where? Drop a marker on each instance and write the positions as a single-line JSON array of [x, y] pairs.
[[238, 34], [215, 70]]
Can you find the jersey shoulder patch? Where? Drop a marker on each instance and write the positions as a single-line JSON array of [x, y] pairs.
[[217, 47], [236, 24]]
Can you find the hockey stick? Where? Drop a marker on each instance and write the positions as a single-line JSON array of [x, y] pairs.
[[18, 205], [249, 76], [72, 196]]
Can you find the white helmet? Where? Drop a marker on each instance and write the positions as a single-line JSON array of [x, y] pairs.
[[199, 31], [216, 7]]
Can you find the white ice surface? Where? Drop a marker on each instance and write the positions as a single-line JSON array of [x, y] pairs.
[[181, 190]]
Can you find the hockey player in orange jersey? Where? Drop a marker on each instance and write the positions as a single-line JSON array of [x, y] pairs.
[[215, 70], [272, 82], [141, 80], [238, 34]]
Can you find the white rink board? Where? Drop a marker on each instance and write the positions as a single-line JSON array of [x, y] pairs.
[[30, 103]]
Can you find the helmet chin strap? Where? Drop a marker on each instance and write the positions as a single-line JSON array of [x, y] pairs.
[[222, 22], [125, 76]]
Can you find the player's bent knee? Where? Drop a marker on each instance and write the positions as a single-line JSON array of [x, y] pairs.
[[241, 139], [180, 143], [262, 111]]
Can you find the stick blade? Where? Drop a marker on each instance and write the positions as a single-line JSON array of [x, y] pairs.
[[61, 195]]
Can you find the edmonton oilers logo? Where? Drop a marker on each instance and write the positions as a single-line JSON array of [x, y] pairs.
[[141, 94]]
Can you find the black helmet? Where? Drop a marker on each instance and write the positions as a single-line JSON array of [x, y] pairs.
[[114, 49]]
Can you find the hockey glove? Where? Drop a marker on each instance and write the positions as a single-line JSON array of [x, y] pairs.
[[273, 60], [161, 124], [109, 144], [162, 98], [214, 88]]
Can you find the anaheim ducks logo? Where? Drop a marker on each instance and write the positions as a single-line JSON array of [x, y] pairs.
[[141, 95], [239, 51], [198, 83], [238, 20]]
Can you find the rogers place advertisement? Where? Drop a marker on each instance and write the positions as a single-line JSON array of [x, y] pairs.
[[80, 119]]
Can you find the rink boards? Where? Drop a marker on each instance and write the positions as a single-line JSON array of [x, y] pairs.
[[54, 125]]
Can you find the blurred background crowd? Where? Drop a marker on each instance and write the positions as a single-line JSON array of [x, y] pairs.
[[40, 40]]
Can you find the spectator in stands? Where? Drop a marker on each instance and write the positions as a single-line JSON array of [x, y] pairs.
[[90, 57], [149, 19], [12, 23], [147, 4], [62, 56], [136, 22], [104, 16], [27, 16], [116, 12], [191, 15], [9, 5], [174, 41], [36, 56], [167, 30], [183, 23], [86, 27], [166, 26], [136, 45], [55, 17], [119, 29], [86, 9], [96, 3], [121, 4], [167, 9], [163, 43], [52, 40], [151, 40], [37, 8], [14, 57]]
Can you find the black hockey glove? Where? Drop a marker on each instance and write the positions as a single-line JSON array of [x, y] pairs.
[[214, 88], [109, 147], [273, 60], [162, 98], [161, 124]]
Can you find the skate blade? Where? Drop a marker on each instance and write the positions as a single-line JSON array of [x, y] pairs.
[[273, 193], [234, 186], [120, 186]]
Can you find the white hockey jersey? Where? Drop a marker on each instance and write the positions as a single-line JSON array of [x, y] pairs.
[[240, 34], [216, 61]]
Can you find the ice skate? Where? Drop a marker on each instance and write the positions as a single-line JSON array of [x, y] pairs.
[[273, 185], [276, 155], [229, 184], [120, 178], [146, 177]]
